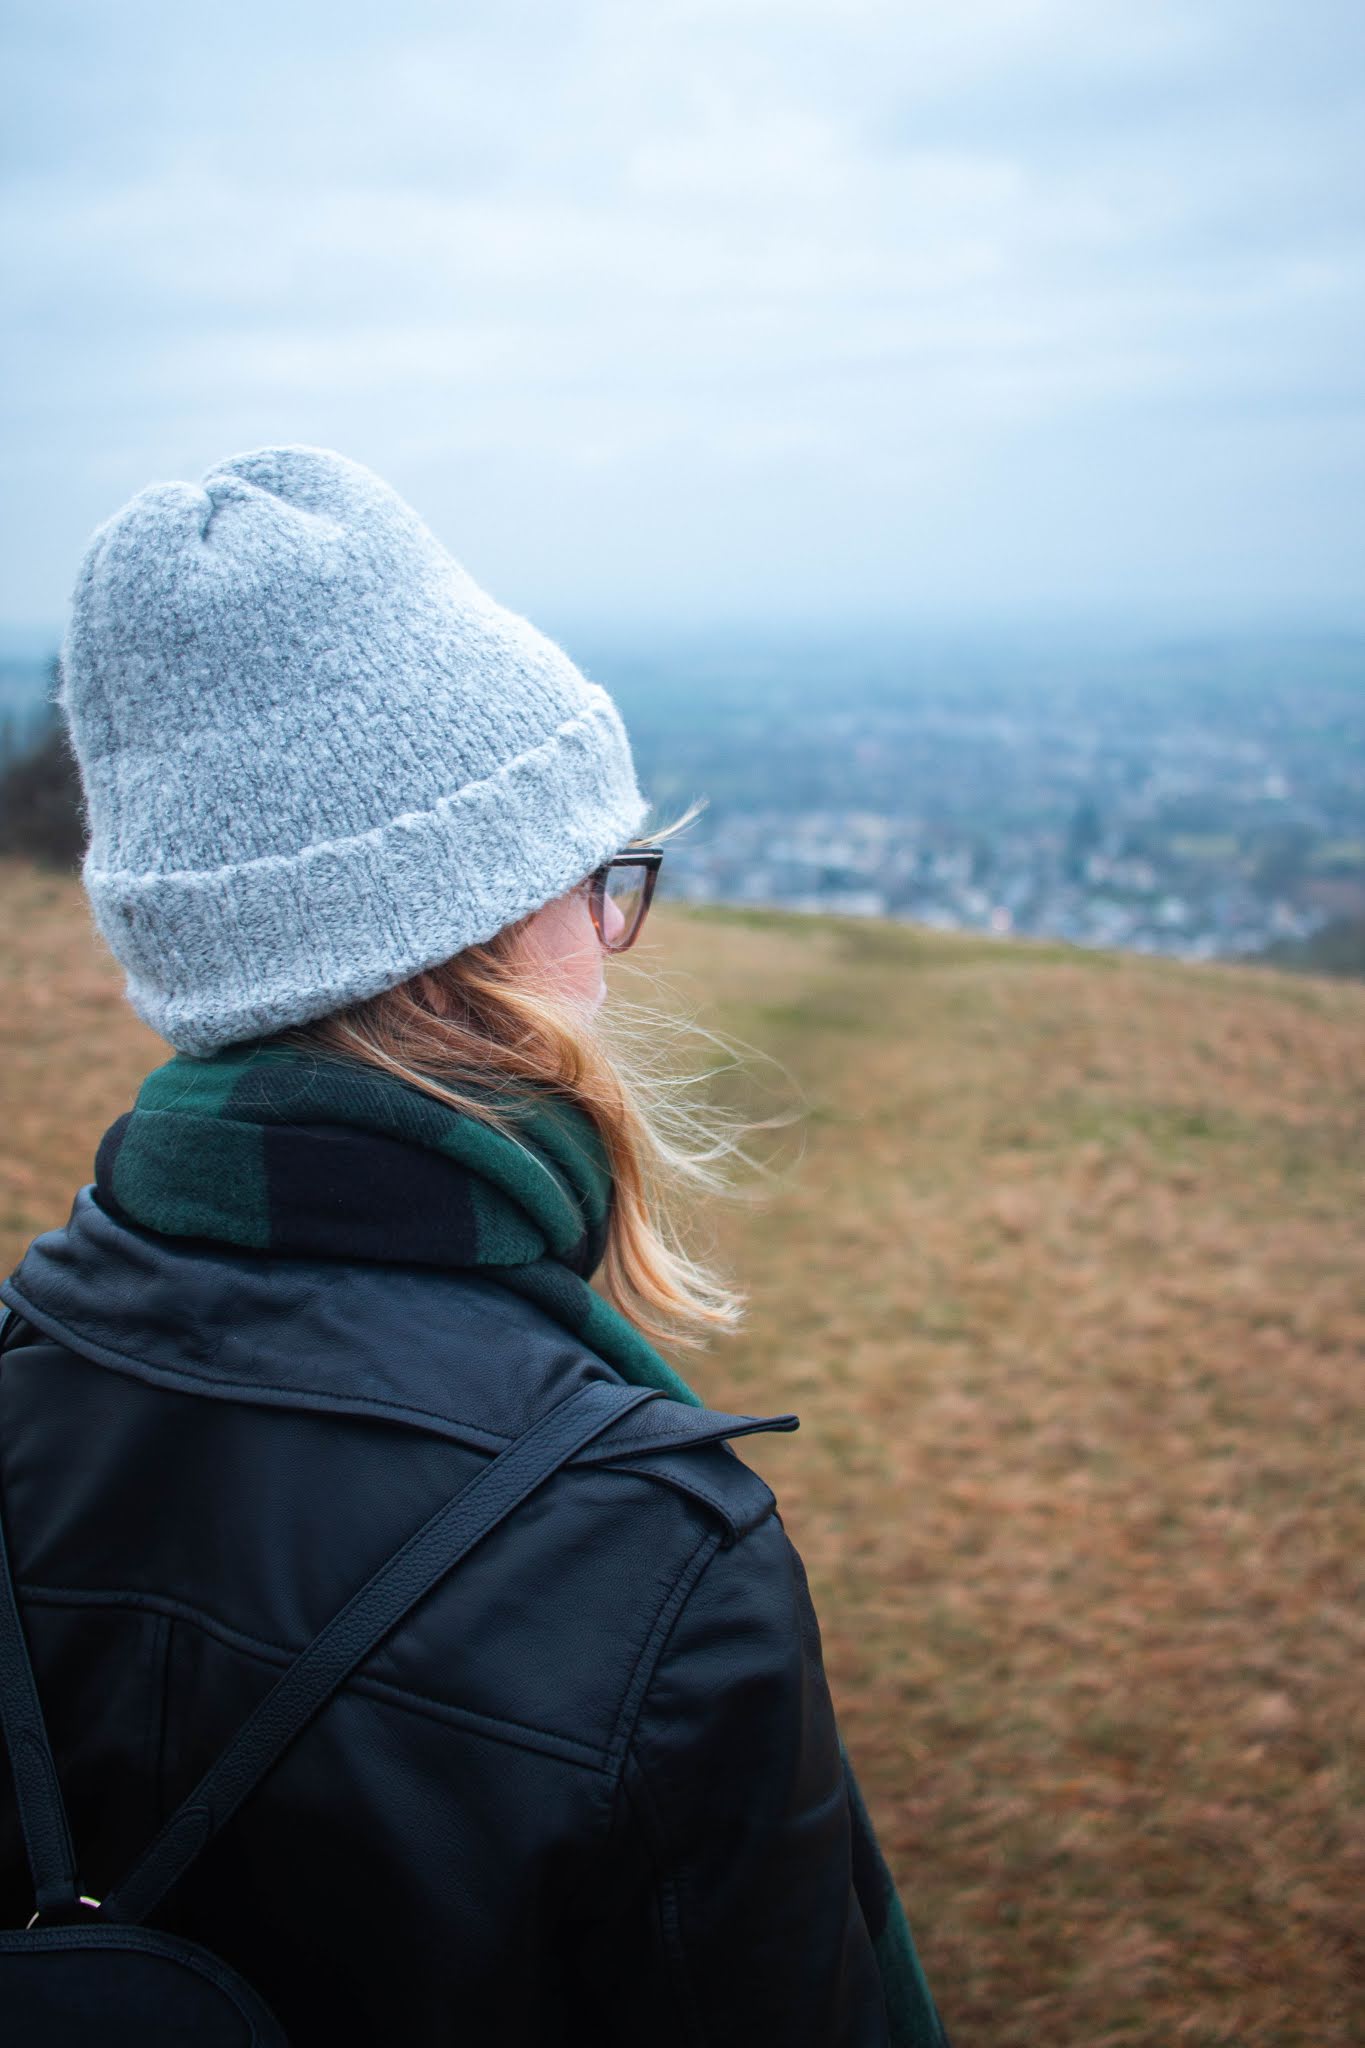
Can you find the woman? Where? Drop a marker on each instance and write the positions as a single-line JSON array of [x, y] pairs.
[[361, 839]]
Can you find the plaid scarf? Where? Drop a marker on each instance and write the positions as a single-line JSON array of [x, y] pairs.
[[279, 1149]]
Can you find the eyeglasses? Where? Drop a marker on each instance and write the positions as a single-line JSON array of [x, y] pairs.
[[626, 883]]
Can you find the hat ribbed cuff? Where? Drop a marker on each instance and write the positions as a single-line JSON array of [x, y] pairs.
[[238, 952]]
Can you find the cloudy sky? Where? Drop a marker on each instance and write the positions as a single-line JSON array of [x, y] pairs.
[[708, 310]]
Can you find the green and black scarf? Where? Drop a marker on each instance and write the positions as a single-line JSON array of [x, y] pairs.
[[281, 1149]]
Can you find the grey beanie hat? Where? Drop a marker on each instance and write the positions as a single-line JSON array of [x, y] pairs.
[[316, 756]]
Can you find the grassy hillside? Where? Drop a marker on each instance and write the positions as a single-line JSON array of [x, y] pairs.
[[1067, 1287]]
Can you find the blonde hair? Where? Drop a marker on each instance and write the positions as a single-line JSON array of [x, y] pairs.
[[494, 1016]]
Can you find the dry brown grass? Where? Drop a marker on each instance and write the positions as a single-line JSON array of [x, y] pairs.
[[1067, 1289]]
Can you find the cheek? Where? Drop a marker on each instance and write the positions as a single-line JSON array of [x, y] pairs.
[[563, 933], [578, 929]]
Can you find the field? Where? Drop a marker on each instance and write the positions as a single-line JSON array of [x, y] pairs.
[[1067, 1287]]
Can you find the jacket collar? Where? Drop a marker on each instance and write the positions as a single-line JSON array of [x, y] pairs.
[[446, 1352]]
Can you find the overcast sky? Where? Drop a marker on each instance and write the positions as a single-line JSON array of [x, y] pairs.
[[713, 309]]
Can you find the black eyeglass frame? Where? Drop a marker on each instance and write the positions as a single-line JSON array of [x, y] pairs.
[[650, 858]]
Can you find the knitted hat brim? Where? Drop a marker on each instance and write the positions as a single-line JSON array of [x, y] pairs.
[[431, 883]]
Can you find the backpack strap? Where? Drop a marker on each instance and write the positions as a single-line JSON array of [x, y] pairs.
[[303, 1689], [38, 1795]]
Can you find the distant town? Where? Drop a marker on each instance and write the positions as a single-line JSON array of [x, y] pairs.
[[1200, 800]]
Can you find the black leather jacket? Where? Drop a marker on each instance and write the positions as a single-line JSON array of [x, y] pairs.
[[589, 1791]]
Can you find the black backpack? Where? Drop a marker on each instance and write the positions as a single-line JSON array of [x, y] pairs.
[[87, 1970]]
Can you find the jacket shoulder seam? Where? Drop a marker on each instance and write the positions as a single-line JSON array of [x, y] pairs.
[[650, 1650]]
